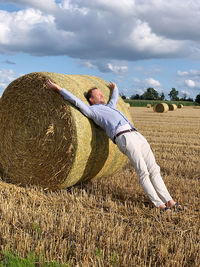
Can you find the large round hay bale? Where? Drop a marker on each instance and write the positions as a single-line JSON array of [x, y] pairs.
[[47, 141], [154, 107], [172, 107], [160, 107], [180, 105]]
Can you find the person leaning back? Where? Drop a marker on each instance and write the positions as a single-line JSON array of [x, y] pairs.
[[127, 138]]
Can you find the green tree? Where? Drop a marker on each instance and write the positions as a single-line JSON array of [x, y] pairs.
[[173, 94], [150, 94], [162, 96], [123, 96], [184, 96], [135, 97], [197, 98]]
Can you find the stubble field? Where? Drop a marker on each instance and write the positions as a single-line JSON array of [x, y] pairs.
[[110, 222]]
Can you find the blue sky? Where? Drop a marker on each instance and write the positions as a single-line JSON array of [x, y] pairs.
[[135, 43]]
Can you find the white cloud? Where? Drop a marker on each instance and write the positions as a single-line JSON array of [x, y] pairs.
[[123, 30], [118, 7], [190, 83], [98, 29], [150, 82], [140, 91], [6, 77], [143, 39], [177, 19], [32, 32], [194, 73], [182, 73], [136, 80], [140, 86], [46, 5], [117, 68], [190, 78], [191, 73], [88, 64], [185, 93]]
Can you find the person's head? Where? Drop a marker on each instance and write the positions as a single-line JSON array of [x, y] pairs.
[[95, 96]]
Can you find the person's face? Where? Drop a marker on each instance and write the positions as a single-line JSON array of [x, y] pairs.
[[97, 97]]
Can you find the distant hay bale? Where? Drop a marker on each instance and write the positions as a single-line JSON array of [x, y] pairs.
[[47, 141], [154, 107], [172, 107], [160, 107], [180, 105], [148, 105]]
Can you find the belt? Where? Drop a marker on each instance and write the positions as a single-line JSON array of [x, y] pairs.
[[122, 132]]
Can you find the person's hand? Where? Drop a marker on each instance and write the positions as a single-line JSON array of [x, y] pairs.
[[112, 85], [53, 86]]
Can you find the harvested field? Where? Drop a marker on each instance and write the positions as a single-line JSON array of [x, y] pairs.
[[110, 222]]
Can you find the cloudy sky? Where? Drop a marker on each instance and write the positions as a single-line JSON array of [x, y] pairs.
[[135, 43]]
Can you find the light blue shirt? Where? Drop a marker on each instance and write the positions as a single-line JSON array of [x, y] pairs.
[[105, 115]]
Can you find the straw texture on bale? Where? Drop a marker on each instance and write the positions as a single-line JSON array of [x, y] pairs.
[[172, 107], [160, 107], [47, 141], [180, 105], [127, 105], [148, 105], [154, 107]]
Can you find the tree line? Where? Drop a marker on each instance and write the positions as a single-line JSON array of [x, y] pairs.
[[152, 94]]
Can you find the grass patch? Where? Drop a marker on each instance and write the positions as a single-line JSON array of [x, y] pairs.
[[12, 259]]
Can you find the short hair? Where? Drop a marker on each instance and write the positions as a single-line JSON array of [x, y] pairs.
[[89, 93]]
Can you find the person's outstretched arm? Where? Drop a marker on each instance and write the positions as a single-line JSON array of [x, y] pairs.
[[84, 108], [115, 94]]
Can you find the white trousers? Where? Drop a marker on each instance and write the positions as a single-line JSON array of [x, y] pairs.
[[138, 150]]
